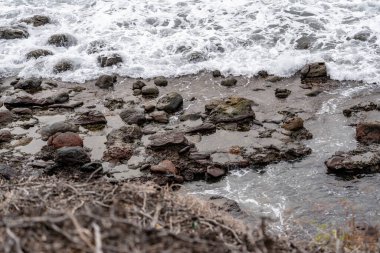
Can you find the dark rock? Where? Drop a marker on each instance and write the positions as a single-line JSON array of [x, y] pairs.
[[273, 79], [362, 35], [273, 154], [301, 134], [7, 172], [13, 33], [149, 107], [110, 60], [190, 116], [199, 156], [126, 134], [161, 81], [118, 153], [63, 66], [168, 139], [137, 92], [37, 20], [5, 136], [71, 156], [314, 93], [216, 73], [164, 167], [359, 108], [26, 101], [170, 102], [305, 42], [91, 167], [138, 85], [150, 91], [58, 127], [38, 53], [263, 74], [347, 112], [97, 46], [282, 93], [226, 205], [229, 82], [30, 85], [368, 132], [315, 72], [6, 117], [106, 81], [67, 139], [91, 119], [114, 103], [61, 98], [160, 117], [133, 116], [293, 124], [203, 128], [62, 40]]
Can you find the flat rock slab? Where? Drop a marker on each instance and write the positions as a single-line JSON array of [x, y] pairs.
[[166, 139]]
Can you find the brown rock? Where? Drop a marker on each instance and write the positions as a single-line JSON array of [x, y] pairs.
[[215, 172], [293, 124], [229, 82], [5, 136], [164, 167], [160, 117], [368, 132], [118, 153], [168, 139], [67, 139], [111, 60]]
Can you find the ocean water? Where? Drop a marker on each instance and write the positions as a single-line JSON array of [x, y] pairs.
[[173, 37]]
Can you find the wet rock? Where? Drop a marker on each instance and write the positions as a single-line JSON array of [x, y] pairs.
[[106, 81], [37, 20], [314, 73], [170, 102], [160, 117], [71, 156], [161, 81], [282, 93], [110, 60], [226, 205], [91, 167], [190, 116], [63, 66], [62, 40], [232, 109], [29, 85], [293, 124], [362, 35], [126, 134], [67, 139], [314, 92], [91, 120], [229, 82], [305, 42], [38, 53], [301, 134], [7, 172], [263, 74], [6, 117], [5, 136], [138, 85], [118, 153], [216, 73], [57, 127], [196, 57], [203, 128], [164, 167], [96, 46], [359, 161], [273, 79], [13, 33], [273, 154], [150, 91], [61, 98], [366, 107], [199, 156], [162, 140], [114, 103], [133, 116], [26, 101], [149, 107], [368, 132], [215, 172]]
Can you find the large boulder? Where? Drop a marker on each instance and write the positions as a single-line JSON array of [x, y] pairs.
[[13, 33], [161, 81], [170, 102], [368, 132], [71, 156], [37, 20], [38, 53], [68, 139], [58, 127], [62, 40]]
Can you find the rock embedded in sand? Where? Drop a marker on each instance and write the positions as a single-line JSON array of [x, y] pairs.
[[36, 20], [282, 93], [67, 139], [126, 134], [216, 73], [262, 74], [161, 140], [293, 124], [368, 132], [315, 72], [138, 85], [164, 167], [29, 85], [57, 127], [229, 82], [118, 153], [170, 102], [160, 117], [91, 119], [63, 66], [109, 60], [6, 117], [38, 53], [62, 40], [71, 156], [27, 101], [133, 116], [13, 33], [61, 98], [150, 91], [106, 81], [273, 79], [5, 136], [161, 81]]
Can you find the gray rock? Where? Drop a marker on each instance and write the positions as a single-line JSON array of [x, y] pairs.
[[168, 139], [216, 73], [38, 53], [315, 72], [137, 92], [63, 66], [150, 91], [37, 20], [71, 156], [30, 85], [160, 117], [57, 127], [126, 134], [91, 118], [203, 128], [170, 102], [6, 117], [282, 93], [13, 33], [62, 40], [161, 81], [5, 136], [138, 85], [362, 36], [61, 98], [7, 172], [110, 60], [133, 116], [229, 82], [106, 81]]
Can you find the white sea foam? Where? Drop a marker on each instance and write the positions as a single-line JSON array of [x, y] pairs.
[[173, 37]]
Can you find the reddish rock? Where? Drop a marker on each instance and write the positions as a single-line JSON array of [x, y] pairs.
[[67, 139], [164, 167], [118, 153], [215, 172], [293, 124], [368, 132]]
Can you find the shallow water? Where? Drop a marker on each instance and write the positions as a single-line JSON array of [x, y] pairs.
[[173, 37]]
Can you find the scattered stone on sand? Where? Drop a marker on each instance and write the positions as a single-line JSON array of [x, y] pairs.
[[293, 124], [362, 107], [160, 117], [202, 128], [161, 81], [149, 107], [170, 102], [10, 33], [63, 66], [133, 116], [216, 73], [282, 93], [166, 139], [29, 85], [118, 153], [150, 91], [126, 134], [164, 167], [57, 127], [359, 161], [109, 60], [38, 53], [229, 82], [273, 79], [7, 172], [114, 103], [368, 132], [92, 120], [91, 167], [27, 101], [263, 74], [106, 81], [138, 85], [62, 40], [5, 136], [67, 139], [71, 156], [315, 92], [37, 20], [61, 98], [314, 73]]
